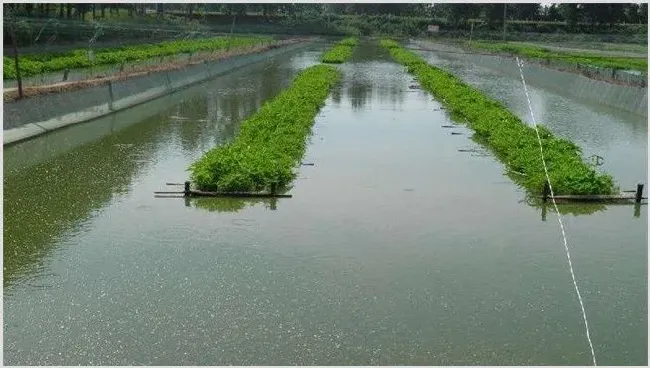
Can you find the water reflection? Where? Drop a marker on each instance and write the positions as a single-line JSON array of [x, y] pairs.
[[60, 194], [55, 183], [580, 209], [233, 205]]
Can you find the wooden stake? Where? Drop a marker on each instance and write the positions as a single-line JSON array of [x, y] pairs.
[[639, 193], [187, 189], [546, 191]]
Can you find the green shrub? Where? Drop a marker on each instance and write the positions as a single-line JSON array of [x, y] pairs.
[[513, 142], [271, 142]]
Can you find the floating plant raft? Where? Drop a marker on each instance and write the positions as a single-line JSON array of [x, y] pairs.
[[270, 144]]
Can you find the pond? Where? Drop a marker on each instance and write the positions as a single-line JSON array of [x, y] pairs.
[[396, 248]]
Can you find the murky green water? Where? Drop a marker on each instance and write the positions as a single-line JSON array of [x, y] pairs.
[[395, 249]]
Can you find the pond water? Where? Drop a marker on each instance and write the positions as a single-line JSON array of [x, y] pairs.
[[395, 249]]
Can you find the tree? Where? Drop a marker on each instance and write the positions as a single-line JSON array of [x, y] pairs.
[[456, 13], [552, 13], [643, 13], [526, 11], [493, 13], [602, 13], [570, 12]]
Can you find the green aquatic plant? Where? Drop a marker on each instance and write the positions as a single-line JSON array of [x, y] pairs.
[[583, 58], [270, 143], [513, 142], [341, 52], [35, 64]]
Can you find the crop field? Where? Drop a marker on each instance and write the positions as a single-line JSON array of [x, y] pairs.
[[585, 57], [35, 64]]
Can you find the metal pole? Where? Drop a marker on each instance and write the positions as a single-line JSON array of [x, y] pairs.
[[505, 6], [14, 41], [470, 34], [232, 28]]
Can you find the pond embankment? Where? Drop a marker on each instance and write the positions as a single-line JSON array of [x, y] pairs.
[[52, 107]]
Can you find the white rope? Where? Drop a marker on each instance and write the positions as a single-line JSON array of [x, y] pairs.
[[559, 217]]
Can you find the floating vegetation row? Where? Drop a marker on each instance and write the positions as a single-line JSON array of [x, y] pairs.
[[271, 143], [584, 58], [513, 142], [50, 62], [341, 52]]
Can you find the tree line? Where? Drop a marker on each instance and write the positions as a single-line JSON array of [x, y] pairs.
[[570, 13]]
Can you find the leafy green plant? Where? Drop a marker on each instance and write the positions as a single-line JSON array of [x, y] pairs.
[[271, 142], [512, 141], [584, 58], [42, 63], [341, 52]]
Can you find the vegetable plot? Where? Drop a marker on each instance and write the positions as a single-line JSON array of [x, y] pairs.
[[341, 52], [513, 142], [270, 143], [42, 63]]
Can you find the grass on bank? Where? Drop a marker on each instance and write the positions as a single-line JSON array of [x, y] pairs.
[[271, 143], [583, 58], [341, 52], [35, 64], [514, 142]]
